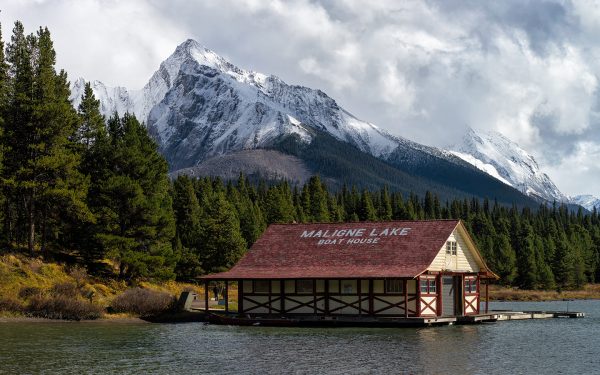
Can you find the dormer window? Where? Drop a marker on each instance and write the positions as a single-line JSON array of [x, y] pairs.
[[451, 247]]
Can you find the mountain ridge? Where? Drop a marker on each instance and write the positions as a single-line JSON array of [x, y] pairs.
[[199, 106], [497, 155]]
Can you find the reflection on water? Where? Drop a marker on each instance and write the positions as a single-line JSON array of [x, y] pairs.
[[526, 347]]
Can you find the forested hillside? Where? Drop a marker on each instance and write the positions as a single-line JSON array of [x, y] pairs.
[[93, 191]]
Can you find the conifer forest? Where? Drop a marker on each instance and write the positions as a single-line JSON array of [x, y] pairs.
[[81, 188]]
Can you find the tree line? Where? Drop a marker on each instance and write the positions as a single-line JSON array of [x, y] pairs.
[[96, 191]]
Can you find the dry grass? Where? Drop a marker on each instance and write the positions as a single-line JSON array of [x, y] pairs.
[[23, 279], [11, 305], [63, 307], [499, 293], [143, 302]]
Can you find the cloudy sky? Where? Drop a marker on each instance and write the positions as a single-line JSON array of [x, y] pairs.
[[425, 70]]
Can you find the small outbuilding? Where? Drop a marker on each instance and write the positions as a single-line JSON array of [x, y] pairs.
[[429, 268]]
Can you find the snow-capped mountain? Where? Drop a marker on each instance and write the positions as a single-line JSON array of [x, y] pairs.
[[210, 115], [505, 160], [199, 105], [587, 201]]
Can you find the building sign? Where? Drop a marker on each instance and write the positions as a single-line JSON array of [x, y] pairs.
[[353, 236]]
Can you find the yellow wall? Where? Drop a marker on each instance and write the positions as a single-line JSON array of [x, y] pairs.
[[465, 260]]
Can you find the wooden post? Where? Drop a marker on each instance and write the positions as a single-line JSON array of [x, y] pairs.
[[326, 297], [418, 296], [371, 302], [314, 282], [226, 296], [205, 295], [240, 296], [358, 289], [438, 289], [270, 294], [405, 298], [487, 296], [462, 286], [282, 296]]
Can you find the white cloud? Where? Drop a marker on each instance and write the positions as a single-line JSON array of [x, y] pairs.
[[421, 69], [578, 171]]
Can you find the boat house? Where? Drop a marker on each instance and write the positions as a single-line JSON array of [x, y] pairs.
[[403, 269]]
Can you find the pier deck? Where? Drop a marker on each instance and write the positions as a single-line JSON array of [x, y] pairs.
[[222, 318]]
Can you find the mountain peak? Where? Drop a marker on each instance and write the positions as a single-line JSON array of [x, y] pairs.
[[587, 201], [497, 155], [202, 55]]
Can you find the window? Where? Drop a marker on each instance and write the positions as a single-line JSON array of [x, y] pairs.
[[451, 247], [289, 287], [261, 286], [304, 286], [471, 285], [348, 286], [394, 286], [432, 286], [428, 286], [334, 286]]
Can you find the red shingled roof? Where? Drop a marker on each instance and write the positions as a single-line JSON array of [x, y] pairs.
[[384, 249]]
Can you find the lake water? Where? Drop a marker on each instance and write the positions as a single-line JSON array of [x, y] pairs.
[[551, 346]]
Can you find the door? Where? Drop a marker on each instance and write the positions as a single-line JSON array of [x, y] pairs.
[[452, 296], [448, 296]]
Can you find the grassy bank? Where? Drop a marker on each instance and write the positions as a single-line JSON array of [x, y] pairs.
[[499, 293], [30, 287]]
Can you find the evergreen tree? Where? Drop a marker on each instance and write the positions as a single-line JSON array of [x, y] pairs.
[[366, 211], [384, 210], [504, 260], [187, 212], [3, 108], [279, 205], [136, 223], [222, 241], [43, 174], [527, 272], [92, 123], [317, 201]]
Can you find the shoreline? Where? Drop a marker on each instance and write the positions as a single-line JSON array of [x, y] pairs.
[[115, 320], [507, 294]]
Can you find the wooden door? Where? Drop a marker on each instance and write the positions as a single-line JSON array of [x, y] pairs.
[[448, 296]]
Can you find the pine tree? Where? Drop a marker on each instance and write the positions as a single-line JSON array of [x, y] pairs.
[[504, 260], [3, 108], [222, 243], [3, 94], [367, 210], [279, 205], [384, 210], [92, 123], [43, 175], [136, 223], [317, 201], [527, 272], [187, 211]]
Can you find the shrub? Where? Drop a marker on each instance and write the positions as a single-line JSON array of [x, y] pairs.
[[62, 307], [65, 289], [29, 291], [143, 302], [79, 274], [10, 305]]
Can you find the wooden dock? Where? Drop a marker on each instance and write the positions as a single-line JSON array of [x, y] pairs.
[[520, 315], [191, 313]]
